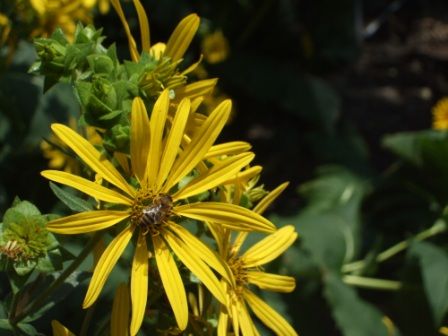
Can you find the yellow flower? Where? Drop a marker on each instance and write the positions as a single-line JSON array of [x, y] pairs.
[[60, 13], [154, 207], [443, 330], [215, 47], [5, 28], [247, 270], [166, 75], [440, 115]]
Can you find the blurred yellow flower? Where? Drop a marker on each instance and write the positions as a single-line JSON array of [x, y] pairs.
[[53, 149], [444, 331], [5, 28], [215, 47], [61, 13], [440, 114], [60, 330]]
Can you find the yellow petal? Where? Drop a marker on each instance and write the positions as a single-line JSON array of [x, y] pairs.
[[87, 221], [215, 176], [196, 89], [269, 198], [270, 247], [222, 323], [229, 215], [173, 141], [157, 126], [235, 313], [92, 157], [139, 284], [60, 330], [157, 50], [90, 188], [98, 250], [188, 256], [228, 148], [181, 37], [39, 7], [192, 67], [200, 144], [272, 282], [106, 264], [119, 323], [245, 175], [195, 103], [172, 282], [202, 250], [144, 25], [123, 161], [268, 316], [139, 138], [132, 45], [246, 324]]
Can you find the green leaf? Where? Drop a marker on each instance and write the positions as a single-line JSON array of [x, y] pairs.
[[353, 316], [434, 268], [28, 329], [73, 202], [329, 226], [4, 325]]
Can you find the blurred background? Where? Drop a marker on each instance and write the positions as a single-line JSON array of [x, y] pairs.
[[337, 97]]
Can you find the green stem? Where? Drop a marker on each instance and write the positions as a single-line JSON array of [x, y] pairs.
[[41, 299], [371, 283], [438, 227], [86, 321]]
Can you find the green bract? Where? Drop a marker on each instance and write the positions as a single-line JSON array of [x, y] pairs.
[[25, 243]]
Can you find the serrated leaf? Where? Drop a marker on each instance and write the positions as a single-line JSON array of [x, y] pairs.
[[73, 202], [353, 316], [434, 268]]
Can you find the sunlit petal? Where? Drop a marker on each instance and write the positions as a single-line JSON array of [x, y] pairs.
[[139, 284], [119, 323], [105, 265], [87, 221], [172, 282], [192, 67], [132, 45], [272, 282], [201, 250], [200, 144], [229, 215], [90, 188], [139, 137], [157, 126], [181, 37], [144, 25], [228, 148], [60, 330], [268, 315], [91, 157], [270, 247], [173, 141], [187, 256], [216, 175], [269, 198]]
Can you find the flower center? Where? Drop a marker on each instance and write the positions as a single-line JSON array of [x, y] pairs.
[[151, 213], [239, 272]]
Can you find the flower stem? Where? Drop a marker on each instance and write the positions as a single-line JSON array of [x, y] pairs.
[[438, 227], [371, 283], [41, 299]]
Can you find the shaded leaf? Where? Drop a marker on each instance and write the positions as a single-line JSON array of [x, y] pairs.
[[353, 316], [75, 203], [434, 268]]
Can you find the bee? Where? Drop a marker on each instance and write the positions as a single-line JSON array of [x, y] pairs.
[[157, 213]]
